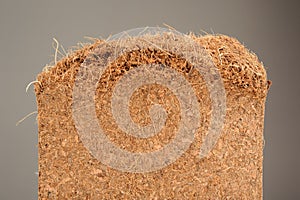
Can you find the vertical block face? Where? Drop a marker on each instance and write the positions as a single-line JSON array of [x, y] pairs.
[[73, 165]]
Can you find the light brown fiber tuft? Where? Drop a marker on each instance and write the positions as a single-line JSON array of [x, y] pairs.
[[232, 170]]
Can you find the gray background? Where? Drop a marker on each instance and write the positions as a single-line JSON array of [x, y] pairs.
[[269, 28]]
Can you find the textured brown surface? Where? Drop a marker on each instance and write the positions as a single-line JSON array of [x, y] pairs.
[[232, 170]]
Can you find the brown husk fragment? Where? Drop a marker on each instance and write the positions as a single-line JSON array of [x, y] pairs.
[[232, 170]]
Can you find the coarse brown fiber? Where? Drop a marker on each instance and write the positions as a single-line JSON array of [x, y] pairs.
[[232, 170]]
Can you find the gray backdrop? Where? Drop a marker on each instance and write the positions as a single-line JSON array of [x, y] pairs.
[[269, 28]]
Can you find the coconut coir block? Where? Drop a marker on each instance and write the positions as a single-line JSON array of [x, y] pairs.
[[231, 170]]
